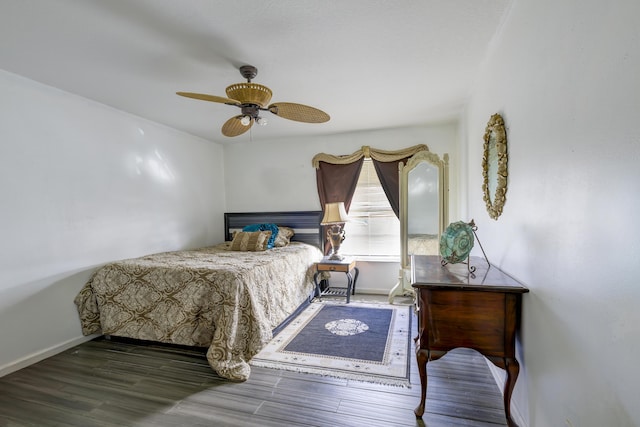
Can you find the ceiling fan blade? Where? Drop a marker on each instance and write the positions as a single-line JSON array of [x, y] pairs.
[[298, 112], [212, 98], [233, 127]]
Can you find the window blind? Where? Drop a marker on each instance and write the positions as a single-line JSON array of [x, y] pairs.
[[373, 229]]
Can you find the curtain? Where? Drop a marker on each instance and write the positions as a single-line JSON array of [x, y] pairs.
[[337, 176], [337, 183], [389, 177]]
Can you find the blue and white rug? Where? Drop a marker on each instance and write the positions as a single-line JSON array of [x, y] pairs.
[[356, 341]]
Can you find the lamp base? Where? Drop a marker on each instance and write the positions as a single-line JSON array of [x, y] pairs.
[[336, 257], [335, 234]]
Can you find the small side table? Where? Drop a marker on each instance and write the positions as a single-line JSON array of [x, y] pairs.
[[347, 266]]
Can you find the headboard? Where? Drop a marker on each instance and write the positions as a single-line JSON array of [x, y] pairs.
[[306, 224]]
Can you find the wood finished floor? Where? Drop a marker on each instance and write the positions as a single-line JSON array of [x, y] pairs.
[[109, 383]]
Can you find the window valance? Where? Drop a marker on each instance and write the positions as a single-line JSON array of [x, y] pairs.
[[367, 152]]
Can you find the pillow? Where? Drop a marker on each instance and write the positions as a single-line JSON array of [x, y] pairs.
[[264, 227], [284, 236], [250, 241]]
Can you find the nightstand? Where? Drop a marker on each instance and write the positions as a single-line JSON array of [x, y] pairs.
[[347, 266]]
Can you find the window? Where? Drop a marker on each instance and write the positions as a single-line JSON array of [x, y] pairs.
[[373, 228]]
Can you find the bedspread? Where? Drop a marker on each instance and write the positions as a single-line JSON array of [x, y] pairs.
[[212, 297]]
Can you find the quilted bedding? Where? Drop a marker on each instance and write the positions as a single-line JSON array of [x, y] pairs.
[[228, 301]]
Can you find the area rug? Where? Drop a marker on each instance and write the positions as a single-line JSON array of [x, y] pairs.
[[356, 341]]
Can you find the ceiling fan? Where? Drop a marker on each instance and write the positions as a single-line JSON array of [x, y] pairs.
[[253, 98]]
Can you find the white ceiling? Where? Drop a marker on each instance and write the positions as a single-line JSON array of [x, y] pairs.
[[368, 64]]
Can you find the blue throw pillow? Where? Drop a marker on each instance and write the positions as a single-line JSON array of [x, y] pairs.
[[264, 227]]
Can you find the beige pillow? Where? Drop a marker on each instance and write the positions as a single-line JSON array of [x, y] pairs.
[[250, 241], [284, 236]]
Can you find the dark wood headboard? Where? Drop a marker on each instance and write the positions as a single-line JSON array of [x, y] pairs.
[[306, 224]]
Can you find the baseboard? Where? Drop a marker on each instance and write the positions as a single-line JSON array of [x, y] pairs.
[[43, 354], [499, 377], [366, 291]]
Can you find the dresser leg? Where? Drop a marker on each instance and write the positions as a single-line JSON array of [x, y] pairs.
[[422, 356], [513, 368]]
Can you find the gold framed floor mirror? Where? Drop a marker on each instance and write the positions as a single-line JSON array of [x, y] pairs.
[[424, 211]]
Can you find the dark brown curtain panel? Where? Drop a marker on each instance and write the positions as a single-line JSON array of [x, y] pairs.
[[389, 177], [337, 183]]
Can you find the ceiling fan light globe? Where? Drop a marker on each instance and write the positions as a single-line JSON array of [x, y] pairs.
[[245, 120], [262, 121]]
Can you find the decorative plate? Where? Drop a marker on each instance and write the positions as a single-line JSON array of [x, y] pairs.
[[456, 242]]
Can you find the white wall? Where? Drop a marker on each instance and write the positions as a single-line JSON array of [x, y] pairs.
[[82, 184], [278, 175], [564, 75]]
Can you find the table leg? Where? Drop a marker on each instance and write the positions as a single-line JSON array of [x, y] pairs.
[[355, 280], [511, 365], [422, 357], [513, 368], [350, 283], [315, 281]]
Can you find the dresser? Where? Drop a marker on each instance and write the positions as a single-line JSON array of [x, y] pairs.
[[457, 308]]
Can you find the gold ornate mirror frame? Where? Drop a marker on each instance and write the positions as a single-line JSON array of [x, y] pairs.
[[494, 166]]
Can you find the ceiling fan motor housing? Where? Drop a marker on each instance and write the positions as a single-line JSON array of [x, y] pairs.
[[250, 93], [252, 111]]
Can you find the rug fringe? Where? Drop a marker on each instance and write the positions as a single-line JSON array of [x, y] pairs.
[[390, 381]]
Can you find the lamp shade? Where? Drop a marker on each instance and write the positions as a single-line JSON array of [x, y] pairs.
[[334, 213]]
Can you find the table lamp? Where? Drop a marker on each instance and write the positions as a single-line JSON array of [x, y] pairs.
[[335, 215]]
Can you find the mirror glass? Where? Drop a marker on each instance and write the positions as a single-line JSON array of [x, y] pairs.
[[494, 166], [423, 220], [424, 211]]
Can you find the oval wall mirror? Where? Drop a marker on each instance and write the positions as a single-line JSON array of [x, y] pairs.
[[494, 166]]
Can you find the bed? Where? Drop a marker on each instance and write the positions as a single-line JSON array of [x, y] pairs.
[[228, 301]]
